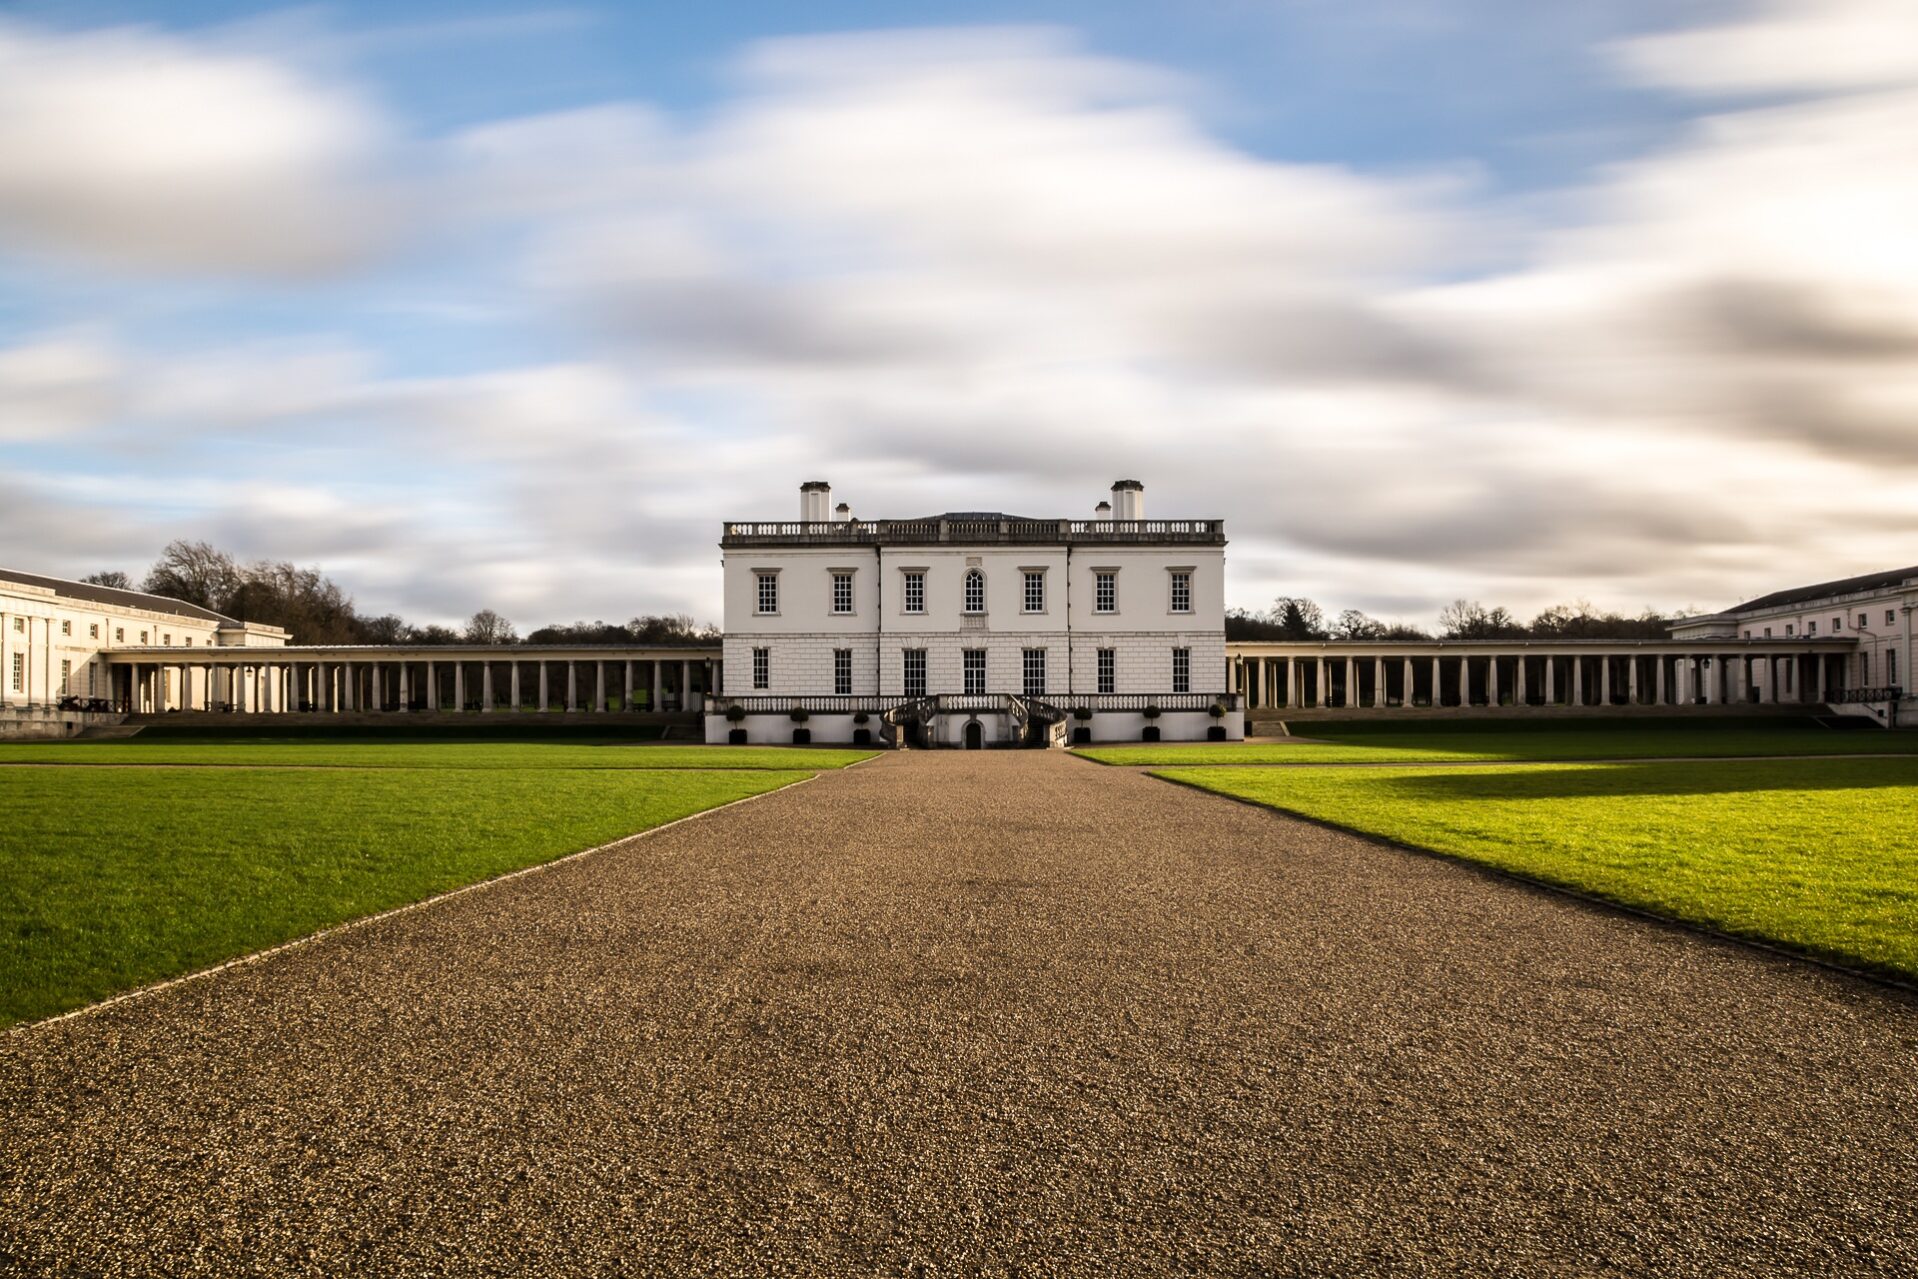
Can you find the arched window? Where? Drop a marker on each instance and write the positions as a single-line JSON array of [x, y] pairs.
[[975, 591]]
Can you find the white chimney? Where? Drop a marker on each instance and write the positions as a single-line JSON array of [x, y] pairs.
[[842, 513], [1103, 511], [815, 501], [1128, 500]]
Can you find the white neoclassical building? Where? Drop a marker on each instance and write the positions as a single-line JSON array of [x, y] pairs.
[[974, 628]]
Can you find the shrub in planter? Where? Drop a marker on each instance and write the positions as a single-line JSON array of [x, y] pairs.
[[734, 714], [1150, 712], [800, 715], [802, 737], [1216, 710], [1082, 712], [736, 737], [1151, 734], [860, 717]]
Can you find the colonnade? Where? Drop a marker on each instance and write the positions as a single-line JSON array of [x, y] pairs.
[[1372, 679], [279, 684]]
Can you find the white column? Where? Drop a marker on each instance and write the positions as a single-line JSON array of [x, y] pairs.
[[514, 683], [1438, 698], [1819, 694], [1768, 687], [686, 685], [659, 691], [1658, 679], [572, 686], [1322, 689], [626, 689], [1405, 702], [486, 687], [459, 686], [404, 691], [1378, 682], [1519, 692], [543, 685], [1578, 679], [599, 687], [1605, 680], [432, 698], [1708, 676], [1351, 681], [1631, 679]]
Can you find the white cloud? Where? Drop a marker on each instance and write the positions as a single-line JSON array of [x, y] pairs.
[[55, 384], [136, 148], [1788, 46]]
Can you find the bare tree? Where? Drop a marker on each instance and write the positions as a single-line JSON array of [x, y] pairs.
[[196, 572], [488, 627], [110, 577]]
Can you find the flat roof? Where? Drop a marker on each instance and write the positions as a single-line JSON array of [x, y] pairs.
[[1825, 590]]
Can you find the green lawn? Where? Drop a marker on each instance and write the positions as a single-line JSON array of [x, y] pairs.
[[1356, 743], [111, 882], [387, 753], [1816, 855]]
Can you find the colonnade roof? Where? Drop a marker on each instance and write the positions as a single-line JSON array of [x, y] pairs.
[[268, 653], [1477, 648]]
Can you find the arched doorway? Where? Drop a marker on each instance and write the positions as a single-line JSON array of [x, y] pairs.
[[975, 735]]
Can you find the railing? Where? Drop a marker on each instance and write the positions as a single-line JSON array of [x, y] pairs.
[[968, 703], [1891, 693], [968, 532]]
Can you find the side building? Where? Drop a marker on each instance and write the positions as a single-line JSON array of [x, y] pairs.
[[974, 628]]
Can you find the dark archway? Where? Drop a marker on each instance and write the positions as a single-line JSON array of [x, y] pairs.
[[975, 735]]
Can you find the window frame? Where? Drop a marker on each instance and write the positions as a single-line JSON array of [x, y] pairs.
[[1105, 591], [908, 676], [1029, 660], [842, 582], [969, 658], [912, 591], [1031, 580], [842, 672], [1181, 670], [1176, 579], [1107, 666], [974, 578], [762, 663], [762, 579]]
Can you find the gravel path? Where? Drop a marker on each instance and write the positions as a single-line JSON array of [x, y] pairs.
[[978, 1014]]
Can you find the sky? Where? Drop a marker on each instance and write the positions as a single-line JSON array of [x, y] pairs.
[[495, 305]]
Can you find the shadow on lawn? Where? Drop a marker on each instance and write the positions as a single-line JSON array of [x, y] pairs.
[[1617, 780]]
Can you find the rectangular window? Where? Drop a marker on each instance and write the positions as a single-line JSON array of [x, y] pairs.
[[66, 674], [1891, 666], [167, 639], [66, 627], [1035, 592], [842, 592], [1034, 669], [93, 630], [1837, 624], [975, 591], [915, 672], [143, 637], [1182, 670], [1105, 592], [19, 624], [975, 661], [1108, 670], [19, 672], [119, 634], [768, 592], [1788, 629], [1748, 634], [1891, 617], [842, 672], [762, 668], [1811, 627], [1862, 622], [1182, 592], [915, 592], [189, 641]]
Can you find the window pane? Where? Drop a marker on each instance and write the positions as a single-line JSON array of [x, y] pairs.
[[1035, 592], [915, 592], [975, 591], [975, 660], [1105, 593], [1182, 592], [1108, 673]]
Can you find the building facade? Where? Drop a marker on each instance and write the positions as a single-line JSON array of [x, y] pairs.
[[1872, 613], [986, 627]]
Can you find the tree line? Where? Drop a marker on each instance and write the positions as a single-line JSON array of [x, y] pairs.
[[315, 610], [1293, 618]]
